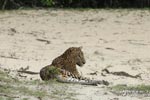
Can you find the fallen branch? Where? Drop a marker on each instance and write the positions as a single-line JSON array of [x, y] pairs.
[[28, 72], [6, 95], [42, 40], [8, 57], [121, 73], [110, 48]]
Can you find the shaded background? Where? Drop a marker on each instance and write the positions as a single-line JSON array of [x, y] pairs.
[[15, 4]]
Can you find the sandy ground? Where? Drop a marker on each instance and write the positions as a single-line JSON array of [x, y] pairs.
[[118, 40]]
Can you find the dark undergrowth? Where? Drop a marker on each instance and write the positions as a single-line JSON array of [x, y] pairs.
[[16, 4]]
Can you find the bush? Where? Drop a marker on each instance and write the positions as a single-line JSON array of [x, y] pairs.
[[103, 3], [11, 4], [47, 2], [14, 4]]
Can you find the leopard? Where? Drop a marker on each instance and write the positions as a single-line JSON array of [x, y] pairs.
[[65, 68], [68, 60]]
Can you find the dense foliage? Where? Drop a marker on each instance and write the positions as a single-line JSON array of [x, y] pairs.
[[10, 4], [103, 3]]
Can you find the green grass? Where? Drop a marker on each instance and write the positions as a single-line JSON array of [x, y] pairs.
[[25, 89], [10, 89], [143, 88], [28, 92], [9, 85], [63, 94]]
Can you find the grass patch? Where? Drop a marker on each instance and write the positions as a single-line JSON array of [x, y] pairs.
[[143, 88], [27, 90], [63, 93], [31, 82], [4, 77], [13, 90], [5, 88], [53, 70], [12, 86]]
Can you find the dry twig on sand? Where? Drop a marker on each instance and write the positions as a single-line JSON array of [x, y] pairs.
[[6, 95], [120, 73], [43, 40], [28, 72]]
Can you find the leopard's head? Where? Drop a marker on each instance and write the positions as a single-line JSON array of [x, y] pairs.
[[80, 60], [74, 55]]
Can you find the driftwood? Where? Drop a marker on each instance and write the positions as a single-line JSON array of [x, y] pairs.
[[120, 73], [43, 40], [28, 72], [6, 95], [11, 57]]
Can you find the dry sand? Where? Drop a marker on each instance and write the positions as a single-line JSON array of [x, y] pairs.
[[115, 39]]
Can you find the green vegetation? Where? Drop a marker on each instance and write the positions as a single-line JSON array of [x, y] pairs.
[[63, 93], [9, 89], [11, 4], [53, 70], [143, 88], [47, 2], [12, 88]]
